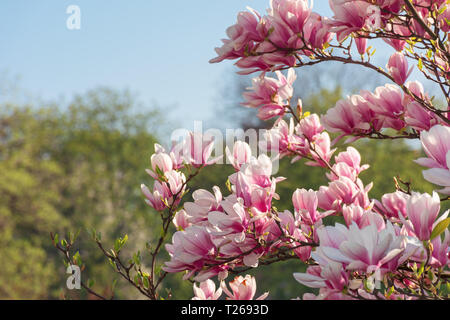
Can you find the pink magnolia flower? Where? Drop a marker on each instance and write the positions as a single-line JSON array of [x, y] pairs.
[[373, 20], [310, 127], [159, 197], [341, 169], [269, 94], [190, 250], [352, 158], [441, 250], [386, 103], [162, 161], [176, 157], [362, 217], [397, 27], [344, 117], [393, 6], [248, 28], [393, 205], [287, 18], [316, 31], [305, 204], [254, 194], [417, 89], [398, 68], [366, 249], [181, 220], [349, 16], [233, 221], [343, 191], [332, 276], [197, 150], [321, 150], [361, 45], [422, 211], [419, 118], [283, 140], [242, 288], [291, 226], [176, 181], [204, 202], [241, 154], [206, 291], [436, 144], [397, 44]]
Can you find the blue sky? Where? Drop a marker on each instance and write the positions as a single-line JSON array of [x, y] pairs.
[[159, 49]]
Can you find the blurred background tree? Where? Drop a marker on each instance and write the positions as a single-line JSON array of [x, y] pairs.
[[71, 169]]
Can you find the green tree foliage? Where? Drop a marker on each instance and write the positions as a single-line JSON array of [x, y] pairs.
[[70, 169]]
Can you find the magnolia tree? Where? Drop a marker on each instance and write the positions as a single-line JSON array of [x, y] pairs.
[[396, 247]]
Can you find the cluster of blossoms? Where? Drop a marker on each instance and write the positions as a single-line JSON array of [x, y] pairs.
[[396, 247], [367, 113], [242, 288]]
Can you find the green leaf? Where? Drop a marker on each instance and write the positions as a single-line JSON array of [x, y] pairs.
[[55, 239], [420, 64], [440, 227]]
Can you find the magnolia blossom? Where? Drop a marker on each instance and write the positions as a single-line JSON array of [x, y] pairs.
[[270, 94], [331, 276], [351, 16], [386, 103], [197, 149], [254, 185], [343, 191], [422, 211], [181, 220], [242, 288], [436, 144], [441, 250], [287, 18], [159, 197], [279, 138], [352, 158], [361, 45], [345, 117], [161, 162], [305, 204], [366, 249], [220, 233], [398, 68], [316, 31], [362, 217], [393, 205], [241, 154], [190, 250], [310, 127], [233, 221], [249, 27], [204, 202], [321, 150], [291, 225], [207, 291]]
